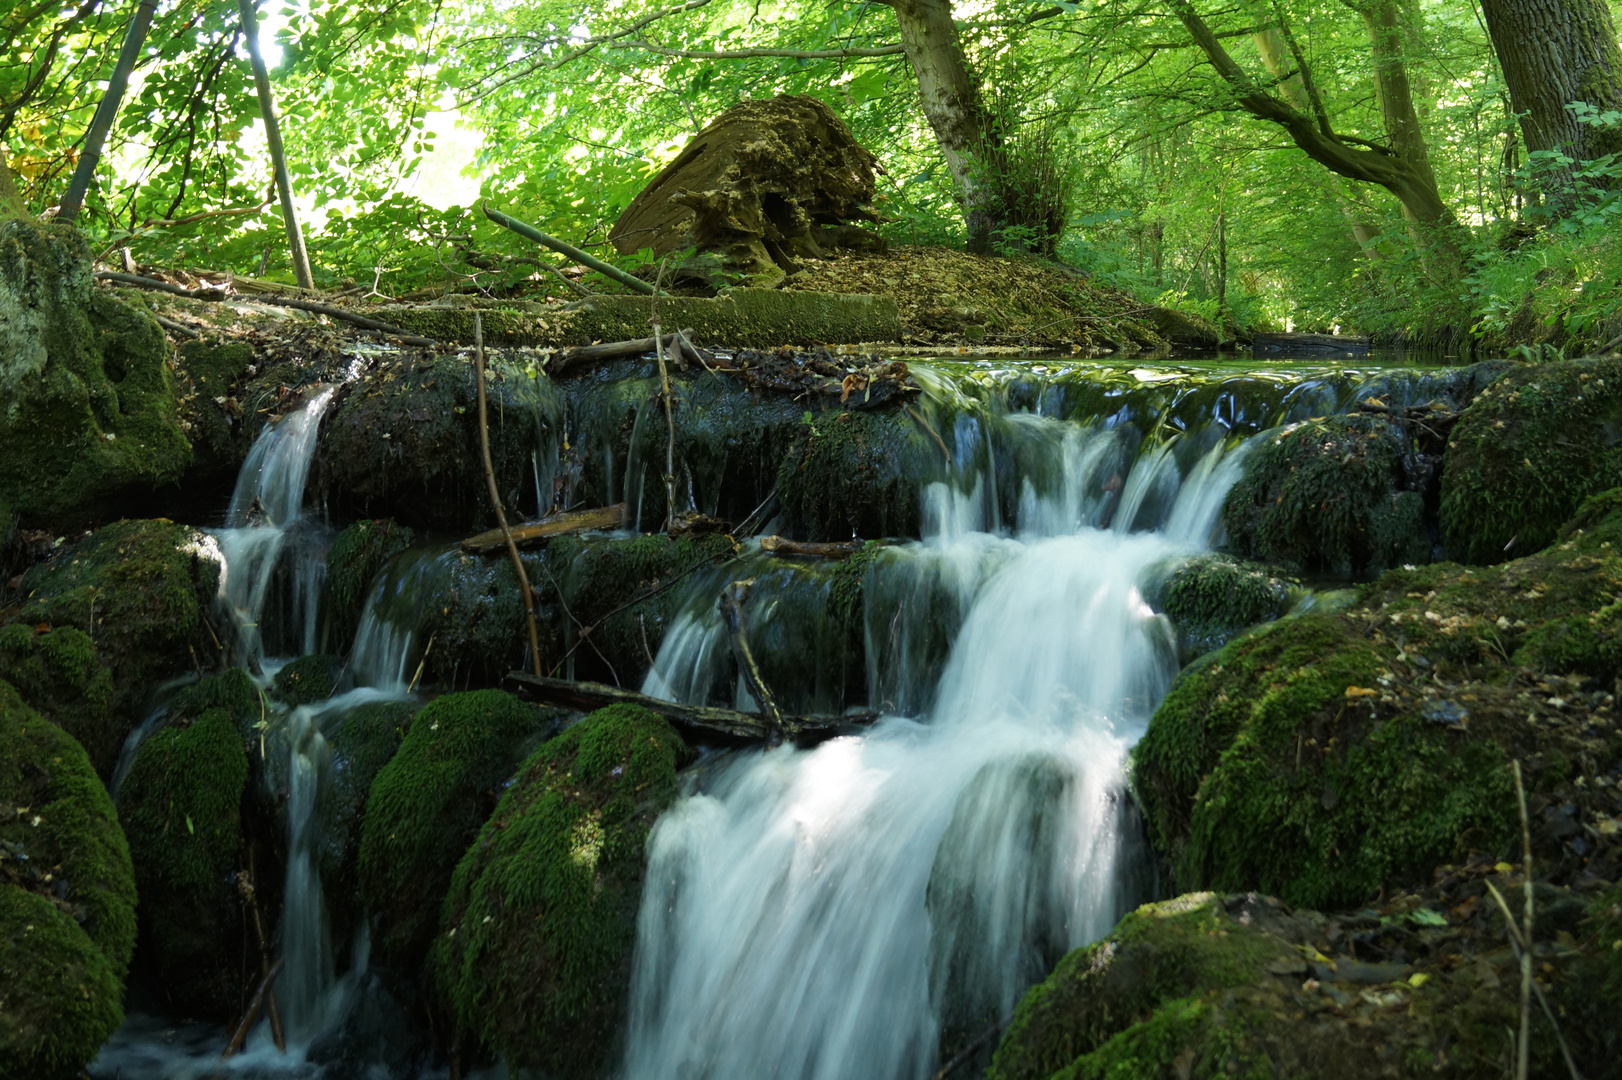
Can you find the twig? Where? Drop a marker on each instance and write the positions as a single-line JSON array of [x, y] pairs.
[[933, 434], [648, 595], [670, 416], [422, 663], [1523, 1051], [495, 495], [732, 601], [177, 327], [253, 1010], [530, 232], [584, 631], [968, 1052], [1520, 949]]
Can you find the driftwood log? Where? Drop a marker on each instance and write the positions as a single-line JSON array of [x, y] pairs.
[[606, 517], [728, 723], [777, 545], [766, 181]]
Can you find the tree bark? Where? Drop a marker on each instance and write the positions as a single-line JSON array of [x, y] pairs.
[[106, 112], [11, 203], [1555, 52], [273, 142], [951, 99]]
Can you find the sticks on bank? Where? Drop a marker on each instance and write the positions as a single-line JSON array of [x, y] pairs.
[[730, 723], [732, 601], [1519, 946], [495, 495]]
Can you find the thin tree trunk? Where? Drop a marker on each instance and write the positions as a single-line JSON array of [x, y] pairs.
[[11, 203], [273, 140], [952, 102], [1555, 52], [106, 112]]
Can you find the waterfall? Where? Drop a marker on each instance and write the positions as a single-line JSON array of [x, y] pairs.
[[264, 524], [845, 911]]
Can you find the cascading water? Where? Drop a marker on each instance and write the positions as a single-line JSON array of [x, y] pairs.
[[843, 912]]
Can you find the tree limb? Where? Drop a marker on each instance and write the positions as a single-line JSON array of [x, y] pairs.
[[749, 54]]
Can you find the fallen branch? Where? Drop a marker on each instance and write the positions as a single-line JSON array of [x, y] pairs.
[[582, 355], [259, 996], [245, 886], [732, 601], [606, 517], [590, 696], [779, 546], [530, 232], [214, 295], [177, 327], [495, 494]]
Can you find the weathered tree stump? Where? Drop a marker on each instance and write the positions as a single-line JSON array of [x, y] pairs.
[[766, 181]]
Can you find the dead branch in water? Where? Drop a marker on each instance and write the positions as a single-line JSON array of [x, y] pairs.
[[732, 601], [605, 517], [777, 545]]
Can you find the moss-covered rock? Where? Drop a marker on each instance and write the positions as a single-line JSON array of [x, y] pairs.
[[404, 441], [1337, 495], [211, 372], [1212, 598], [181, 808], [364, 740], [231, 690], [60, 673], [857, 474], [90, 403], [309, 678], [1526, 453], [59, 994], [356, 555], [427, 804], [142, 592], [534, 952], [54, 810]]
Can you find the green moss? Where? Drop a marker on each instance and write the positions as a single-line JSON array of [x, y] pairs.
[[428, 802], [141, 590], [857, 474], [1526, 453], [353, 560], [535, 948], [60, 674], [1329, 495], [59, 994], [309, 678], [180, 805], [231, 690], [1212, 598], [54, 809], [365, 739], [92, 409]]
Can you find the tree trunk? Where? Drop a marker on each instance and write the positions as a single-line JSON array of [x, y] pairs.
[[106, 112], [273, 142], [1391, 88], [11, 203], [951, 101], [1555, 52]]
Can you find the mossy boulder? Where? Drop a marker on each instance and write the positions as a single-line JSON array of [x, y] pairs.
[[67, 900], [231, 690], [427, 804], [181, 808], [90, 410], [356, 555], [309, 678], [1212, 598], [534, 952], [141, 591], [857, 474], [1329, 755], [1337, 495], [60, 673], [1208, 987], [364, 740], [404, 441], [1526, 453]]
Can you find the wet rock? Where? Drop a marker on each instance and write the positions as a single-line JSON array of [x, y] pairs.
[[427, 804], [67, 900], [857, 475], [141, 591], [1339, 494], [534, 953], [356, 555], [1213, 598], [181, 808], [211, 373], [90, 410], [363, 741], [1526, 453]]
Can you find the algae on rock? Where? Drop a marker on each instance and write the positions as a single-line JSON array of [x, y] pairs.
[[534, 953], [181, 808], [427, 804]]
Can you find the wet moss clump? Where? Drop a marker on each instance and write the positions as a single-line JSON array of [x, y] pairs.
[[353, 560], [1213, 598], [427, 804], [309, 678], [1334, 495], [91, 410], [1526, 453], [534, 952], [181, 808], [61, 675], [857, 474], [67, 900], [364, 740], [231, 690], [141, 591]]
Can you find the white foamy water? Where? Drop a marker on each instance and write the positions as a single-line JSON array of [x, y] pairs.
[[833, 913]]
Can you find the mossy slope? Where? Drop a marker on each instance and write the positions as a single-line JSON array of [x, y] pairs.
[[535, 946]]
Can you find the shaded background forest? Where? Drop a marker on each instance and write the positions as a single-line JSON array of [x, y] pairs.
[[1099, 133]]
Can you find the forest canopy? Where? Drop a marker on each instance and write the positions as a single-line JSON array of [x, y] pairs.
[[1399, 166]]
